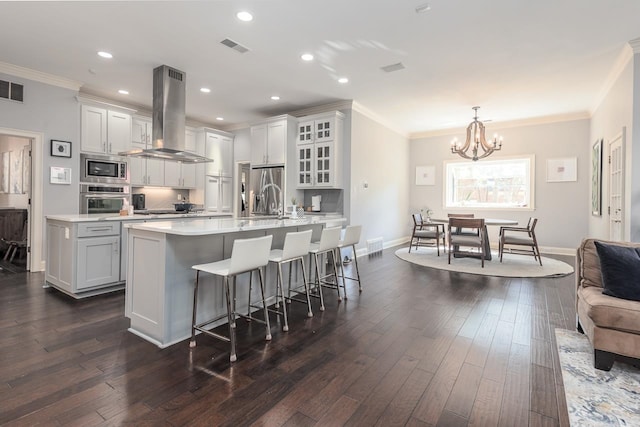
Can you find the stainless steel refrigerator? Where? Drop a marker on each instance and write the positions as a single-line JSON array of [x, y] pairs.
[[267, 185]]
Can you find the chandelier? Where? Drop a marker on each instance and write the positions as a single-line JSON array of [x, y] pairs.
[[475, 141]]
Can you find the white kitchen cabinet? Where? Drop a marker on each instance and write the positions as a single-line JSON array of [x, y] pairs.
[[179, 175], [98, 261], [318, 161], [219, 194], [269, 143], [83, 259], [104, 131], [146, 171], [190, 141], [219, 147]]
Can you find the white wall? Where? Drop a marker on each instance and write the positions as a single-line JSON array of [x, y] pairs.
[[379, 157], [613, 113], [562, 208]]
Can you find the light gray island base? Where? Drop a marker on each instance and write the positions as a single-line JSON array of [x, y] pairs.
[[160, 280]]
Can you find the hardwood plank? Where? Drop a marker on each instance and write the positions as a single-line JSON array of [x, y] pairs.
[[543, 396], [486, 407], [399, 410], [464, 391], [339, 412], [435, 397]]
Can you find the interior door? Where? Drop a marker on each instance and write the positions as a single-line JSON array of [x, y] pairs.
[[616, 187]]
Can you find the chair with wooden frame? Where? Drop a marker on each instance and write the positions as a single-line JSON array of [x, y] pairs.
[[520, 236], [472, 239], [426, 231]]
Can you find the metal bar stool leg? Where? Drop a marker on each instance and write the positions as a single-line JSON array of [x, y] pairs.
[[232, 330], [355, 260], [344, 278], [195, 304], [306, 287], [285, 328], [249, 304], [264, 305], [319, 285]]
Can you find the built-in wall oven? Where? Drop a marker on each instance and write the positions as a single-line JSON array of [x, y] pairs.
[[95, 168], [103, 198]]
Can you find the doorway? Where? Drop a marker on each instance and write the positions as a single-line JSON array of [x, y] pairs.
[[616, 187], [15, 197], [35, 258]]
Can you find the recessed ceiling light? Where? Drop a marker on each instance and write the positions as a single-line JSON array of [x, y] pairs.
[[244, 16], [220, 118], [123, 92], [307, 57], [275, 97], [105, 54], [343, 80], [205, 90]]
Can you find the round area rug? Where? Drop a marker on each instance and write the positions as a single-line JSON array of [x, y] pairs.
[[512, 265]]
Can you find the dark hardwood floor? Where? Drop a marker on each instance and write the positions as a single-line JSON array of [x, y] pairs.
[[418, 347]]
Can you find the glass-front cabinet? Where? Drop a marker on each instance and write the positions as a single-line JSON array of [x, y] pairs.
[[318, 151]]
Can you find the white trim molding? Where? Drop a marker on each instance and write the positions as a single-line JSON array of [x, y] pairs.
[[39, 76], [618, 67]]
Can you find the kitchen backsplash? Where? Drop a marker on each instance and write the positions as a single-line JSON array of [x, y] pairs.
[[332, 200], [161, 198]]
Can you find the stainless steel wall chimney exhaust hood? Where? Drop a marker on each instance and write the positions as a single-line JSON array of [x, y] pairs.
[[168, 121]]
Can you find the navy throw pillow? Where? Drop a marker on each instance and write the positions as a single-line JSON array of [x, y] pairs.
[[620, 268]]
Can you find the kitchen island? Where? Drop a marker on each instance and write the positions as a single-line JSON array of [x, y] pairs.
[[160, 280]]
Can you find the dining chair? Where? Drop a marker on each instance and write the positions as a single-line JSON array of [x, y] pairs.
[[460, 230], [429, 232], [524, 238], [474, 239], [246, 255]]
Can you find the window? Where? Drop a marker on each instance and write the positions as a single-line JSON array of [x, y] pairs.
[[501, 183]]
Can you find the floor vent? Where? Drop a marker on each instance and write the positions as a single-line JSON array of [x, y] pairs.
[[374, 245], [12, 91], [235, 46]]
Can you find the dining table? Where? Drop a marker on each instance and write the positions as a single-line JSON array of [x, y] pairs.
[[487, 221]]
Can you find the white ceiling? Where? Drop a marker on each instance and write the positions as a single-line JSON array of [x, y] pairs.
[[515, 59]]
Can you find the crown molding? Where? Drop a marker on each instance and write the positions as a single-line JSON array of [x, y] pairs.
[[378, 119], [616, 70], [635, 45], [317, 109], [581, 115], [39, 76], [85, 98]]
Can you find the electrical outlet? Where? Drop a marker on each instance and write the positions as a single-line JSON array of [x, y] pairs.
[[179, 197]]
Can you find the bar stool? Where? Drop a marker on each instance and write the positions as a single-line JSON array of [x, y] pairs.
[[351, 238], [296, 246], [247, 255], [328, 243]]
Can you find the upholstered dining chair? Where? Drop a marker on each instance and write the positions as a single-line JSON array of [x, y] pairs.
[[523, 238], [426, 234], [474, 238]]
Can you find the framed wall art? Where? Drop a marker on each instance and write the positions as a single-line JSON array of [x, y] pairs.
[[562, 170], [596, 178], [425, 175], [60, 148]]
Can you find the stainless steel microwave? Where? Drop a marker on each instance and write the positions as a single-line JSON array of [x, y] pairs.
[[103, 169]]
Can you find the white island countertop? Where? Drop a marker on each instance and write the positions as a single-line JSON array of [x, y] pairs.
[[210, 226]]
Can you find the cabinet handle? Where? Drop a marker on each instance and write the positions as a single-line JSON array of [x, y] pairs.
[[116, 247], [110, 147], [99, 229]]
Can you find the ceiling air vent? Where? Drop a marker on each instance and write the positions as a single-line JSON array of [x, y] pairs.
[[393, 67], [235, 46], [13, 91]]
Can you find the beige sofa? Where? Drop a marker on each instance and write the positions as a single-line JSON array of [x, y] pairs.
[[612, 324]]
